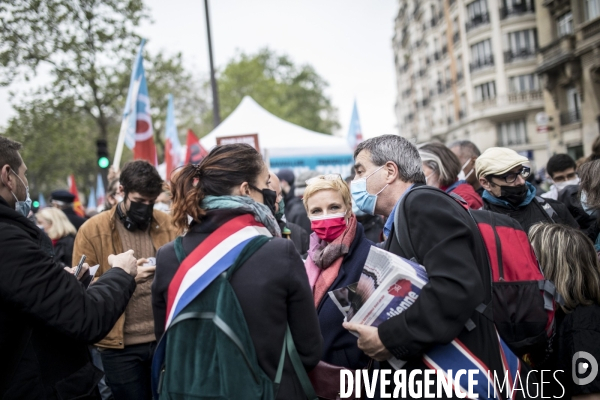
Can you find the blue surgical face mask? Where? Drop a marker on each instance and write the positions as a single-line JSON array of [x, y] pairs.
[[364, 200], [357, 211], [22, 206], [584, 204]]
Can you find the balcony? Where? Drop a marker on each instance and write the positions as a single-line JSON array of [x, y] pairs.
[[557, 54], [518, 55], [591, 29], [525, 97], [478, 20], [570, 117], [482, 63], [484, 103], [516, 10]]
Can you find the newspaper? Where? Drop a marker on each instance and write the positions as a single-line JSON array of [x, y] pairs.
[[388, 286]]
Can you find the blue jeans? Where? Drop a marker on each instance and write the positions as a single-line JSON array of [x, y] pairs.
[[128, 370]]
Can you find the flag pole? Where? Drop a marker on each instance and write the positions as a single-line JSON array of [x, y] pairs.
[[213, 81]]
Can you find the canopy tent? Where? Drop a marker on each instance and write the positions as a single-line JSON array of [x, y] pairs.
[[283, 144]]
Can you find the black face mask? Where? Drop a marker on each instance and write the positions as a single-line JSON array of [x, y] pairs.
[[140, 214], [269, 198], [515, 195]]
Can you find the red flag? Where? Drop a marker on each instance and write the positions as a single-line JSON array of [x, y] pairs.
[[144, 140], [77, 207], [195, 152]]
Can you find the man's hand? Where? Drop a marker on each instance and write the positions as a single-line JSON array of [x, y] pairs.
[[126, 261], [369, 342], [145, 273], [84, 269]]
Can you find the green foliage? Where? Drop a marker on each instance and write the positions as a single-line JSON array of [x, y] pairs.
[[294, 93], [56, 143]]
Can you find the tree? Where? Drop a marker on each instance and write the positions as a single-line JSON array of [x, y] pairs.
[[88, 44], [294, 93], [58, 135]]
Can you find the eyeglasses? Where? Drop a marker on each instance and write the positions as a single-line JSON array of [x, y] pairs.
[[328, 177], [512, 176]]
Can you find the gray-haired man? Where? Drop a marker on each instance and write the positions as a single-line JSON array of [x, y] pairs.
[[429, 226]]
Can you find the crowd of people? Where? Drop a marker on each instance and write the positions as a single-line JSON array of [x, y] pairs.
[[226, 267]]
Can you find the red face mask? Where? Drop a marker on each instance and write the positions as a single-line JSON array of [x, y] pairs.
[[329, 227]]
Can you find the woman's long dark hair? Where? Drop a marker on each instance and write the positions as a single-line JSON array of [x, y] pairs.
[[224, 168]]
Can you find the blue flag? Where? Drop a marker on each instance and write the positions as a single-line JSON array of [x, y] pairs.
[[42, 201], [92, 199], [354, 132], [100, 193], [173, 157]]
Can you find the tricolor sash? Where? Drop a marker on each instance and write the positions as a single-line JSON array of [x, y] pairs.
[[455, 356], [200, 268], [211, 258]]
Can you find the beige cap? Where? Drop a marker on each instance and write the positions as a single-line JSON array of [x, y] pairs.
[[498, 161]]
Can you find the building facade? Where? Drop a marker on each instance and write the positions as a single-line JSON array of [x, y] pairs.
[[569, 70], [466, 69]]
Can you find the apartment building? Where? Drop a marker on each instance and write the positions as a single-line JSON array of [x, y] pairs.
[[466, 69], [569, 69]]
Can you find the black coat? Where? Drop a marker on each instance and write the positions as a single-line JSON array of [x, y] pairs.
[[533, 213], [373, 226], [448, 244], [75, 219], [47, 318], [299, 237], [339, 345], [569, 196], [273, 290], [296, 213], [63, 250]]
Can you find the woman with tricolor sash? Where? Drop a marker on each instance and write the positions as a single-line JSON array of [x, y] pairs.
[[221, 204]]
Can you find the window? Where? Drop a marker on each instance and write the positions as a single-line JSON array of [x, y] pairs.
[[517, 6], [481, 54], [573, 100], [485, 91], [564, 24], [524, 83], [521, 44], [592, 9], [512, 133], [477, 14], [476, 9]]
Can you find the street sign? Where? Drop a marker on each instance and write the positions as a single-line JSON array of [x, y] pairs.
[[542, 120]]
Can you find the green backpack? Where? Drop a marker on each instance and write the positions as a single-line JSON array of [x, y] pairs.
[[222, 363]]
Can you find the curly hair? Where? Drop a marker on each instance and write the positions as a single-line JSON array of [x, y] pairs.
[[141, 177], [224, 168]]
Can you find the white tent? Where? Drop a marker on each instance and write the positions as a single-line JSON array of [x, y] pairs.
[[284, 144]]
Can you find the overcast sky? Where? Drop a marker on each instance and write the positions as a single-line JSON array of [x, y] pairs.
[[348, 42]]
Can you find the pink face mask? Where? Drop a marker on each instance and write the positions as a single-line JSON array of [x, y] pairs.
[[328, 227]]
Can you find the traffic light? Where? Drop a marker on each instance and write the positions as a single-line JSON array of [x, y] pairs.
[[36, 204], [102, 150]]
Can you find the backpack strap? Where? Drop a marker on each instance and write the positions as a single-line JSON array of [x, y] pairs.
[[179, 251], [298, 367], [541, 202], [498, 246]]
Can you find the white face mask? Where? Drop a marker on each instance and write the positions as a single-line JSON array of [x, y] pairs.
[[118, 198], [561, 185], [461, 175]]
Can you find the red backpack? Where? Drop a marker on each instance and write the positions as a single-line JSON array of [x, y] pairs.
[[523, 301]]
